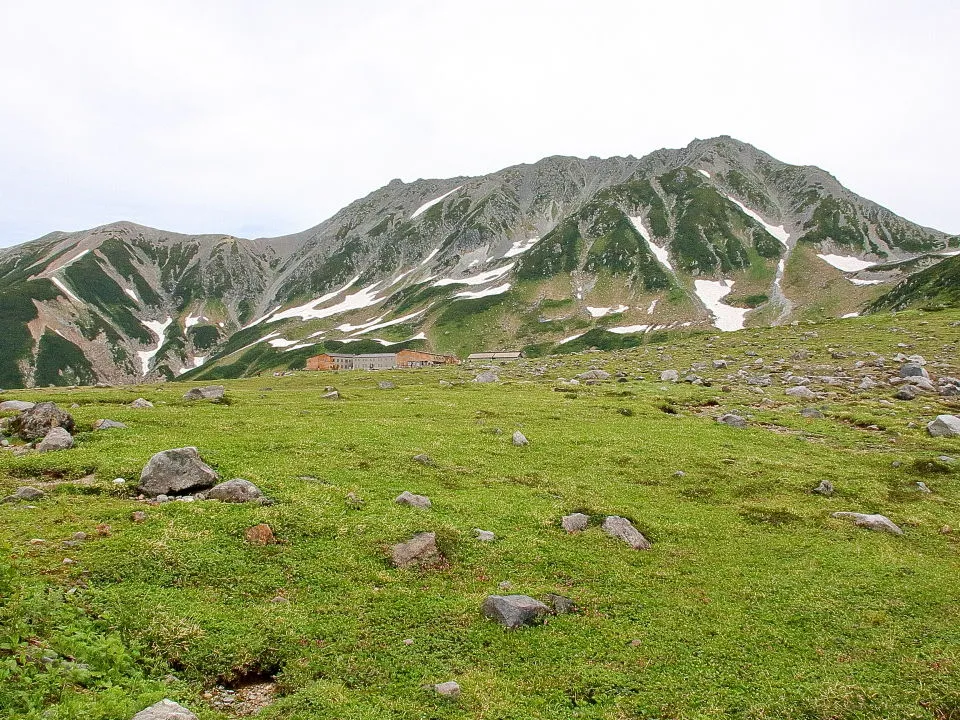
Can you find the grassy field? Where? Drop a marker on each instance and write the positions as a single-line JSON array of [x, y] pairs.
[[753, 602]]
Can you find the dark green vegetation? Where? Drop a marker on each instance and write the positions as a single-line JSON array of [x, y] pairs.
[[753, 602], [60, 362], [934, 288], [16, 311]]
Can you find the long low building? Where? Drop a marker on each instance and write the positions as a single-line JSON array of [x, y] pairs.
[[379, 361], [496, 355]]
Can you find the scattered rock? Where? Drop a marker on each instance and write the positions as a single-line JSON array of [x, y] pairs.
[[109, 425], [141, 404], [732, 420], [332, 395], [922, 487], [138, 516], [25, 493], [165, 710], [560, 605], [520, 439], [594, 375], [513, 611], [386, 385], [420, 551], [424, 459], [260, 534], [910, 370], [801, 391], [669, 376], [354, 501], [408, 498], [487, 376], [484, 535], [176, 471], [623, 529], [15, 405], [449, 689], [944, 426], [825, 488], [208, 392], [237, 490], [34, 423], [56, 438], [880, 523], [812, 413], [907, 392], [576, 522], [719, 364]]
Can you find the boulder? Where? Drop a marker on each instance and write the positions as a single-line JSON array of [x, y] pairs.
[[26, 493], [513, 611], [487, 376], [907, 392], [911, 370], [449, 689], [719, 364], [868, 383], [560, 605], [520, 439], [424, 459], [419, 551], [165, 710], [408, 498], [332, 395], [260, 534], [386, 385], [623, 529], [594, 375], [237, 490], [801, 391], [944, 426], [176, 471], [33, 424], [880, 523], [141, 404], [208, 392], [575, 522], [812, 413], [109, 425], [669, 376], [56, 439], [732, 420], [15, 405], [484, 535], [825, 488]]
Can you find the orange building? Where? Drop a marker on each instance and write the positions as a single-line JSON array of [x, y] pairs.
[[378, 361]]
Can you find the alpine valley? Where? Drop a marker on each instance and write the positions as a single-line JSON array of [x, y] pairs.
[[556, 256]]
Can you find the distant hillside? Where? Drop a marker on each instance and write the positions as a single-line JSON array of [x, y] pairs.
[[937, 286]]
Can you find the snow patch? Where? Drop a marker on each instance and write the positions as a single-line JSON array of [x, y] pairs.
[[599, 312], [846, 263], [703, 172], [570, 339], [298, 346], [778, 231], [473, 295], [396, 321], [659, 251], [480, 279], [653, 306], [279, 342], [261, 318], [132, 294], [59, 284], [355, 301], [520, 247], [159, 329], [387, 343], [192, 320], [627, 329], [849, 315], [858, 281], [431, 256], [427, 205], [711, 293]]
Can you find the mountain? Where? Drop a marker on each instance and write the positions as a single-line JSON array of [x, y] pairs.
[[936, 287], [552, 256]]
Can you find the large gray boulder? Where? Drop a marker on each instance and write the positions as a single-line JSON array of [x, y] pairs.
[[176, 471], [208, 392], [576, 522], [487, 376], [513, 611], [141, 404], [734, 421], [623, 529], [408, 498], [944, 426], [15, 405], [165, 710], [109, 425], [880, 523], [419, 551], [25, 493], [669, 376], [56, 439], [911, 370], [801, 391], [594, 375], [520, 439], [237, 490], [33, 424]]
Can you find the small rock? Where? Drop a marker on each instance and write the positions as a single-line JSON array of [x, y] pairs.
[[812, 413], [57, 438], [176, 471], [386, 385], [907, 392], [944, 426], [109, 425], [484, 535], [138, 516], [732, 420], [560, 605], [448, 689], [165, 710], [594, 375], [880, 523], [208, 392], [623, 529], [237, 490], [801, 391], [424, 459], [825, 488], [141, 404], [669, 376], [719, 364], [513, 611], [332, 395], [922, 487], [946, 530], [576, 522], [260, 534], [408, 498], [487, 376], [15, 405], [420, 551], [911, 370], [520, 439], [354, 500], [505, 585], [25, 493]]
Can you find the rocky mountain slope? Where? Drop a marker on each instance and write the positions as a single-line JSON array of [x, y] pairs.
[[546, 257]]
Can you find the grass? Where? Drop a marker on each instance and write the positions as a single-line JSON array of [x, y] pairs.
[[753, 602]]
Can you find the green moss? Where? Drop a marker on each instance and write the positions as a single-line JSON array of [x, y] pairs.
[[16, 311], [60, 362], [558, 251], [834, 220], [92, 284], [204, 337], [121, 259], [936, 287]]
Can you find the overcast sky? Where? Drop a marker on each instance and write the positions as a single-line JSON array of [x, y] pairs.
[[259, 119]]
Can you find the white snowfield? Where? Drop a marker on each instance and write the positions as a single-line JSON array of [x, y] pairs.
[[387, 343], [299, 345], [473, 295], [279, 342], [66, 290], [627, 329], [311, 310], [653, 306], [193, 320], [711, 294], [703, 172], [659, 251], [427, 205], [849, 315], [599, 312], [846, 263], [480, 279], [570, 339], [778, 231], [132, 294], [159, 329], [858, 281], [431, 256], [261, 318], [520, 247], [61, 264], [388, 323]]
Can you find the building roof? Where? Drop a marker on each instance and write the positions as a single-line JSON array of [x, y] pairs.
[[498, 355], [361, 355]]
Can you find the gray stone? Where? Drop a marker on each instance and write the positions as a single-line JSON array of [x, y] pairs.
[[801, 391], [719, 364], [332, 395], [576, 522], [944, 426], [386, 385], [34, 423], [15, 405], [109, 425], [732, 420], [812, 413], [141, 404], [868, 383], [880, 523], [922, 487], [487, 376], [424, 459], [924, 384], [825, 488], [910, 370], [669, 376], [907, 392], [623, 529], [449, 689], [408, 498], [25, 493], [237, 490], [176, 471], [420, 551], [560, 605], [513, 611], [56, 439], [208, 392], [165, 710], [594, 375], [520, 439], [484, 535]]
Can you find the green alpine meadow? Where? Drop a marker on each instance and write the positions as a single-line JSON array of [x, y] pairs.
[[322, 596]]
